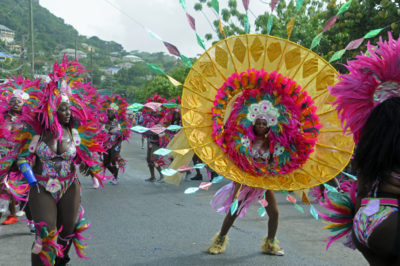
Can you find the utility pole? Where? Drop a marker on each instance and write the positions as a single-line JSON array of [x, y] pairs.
[[22, 55], [32, 46], [91, 64]]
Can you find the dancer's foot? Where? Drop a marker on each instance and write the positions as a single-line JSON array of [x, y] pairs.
[[114, 181], [271, 247], [151, 179], [218, 244], [20, 213], [197, 177], [95, 183], [11, 219]]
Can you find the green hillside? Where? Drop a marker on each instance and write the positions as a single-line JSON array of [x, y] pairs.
[[52, 36]]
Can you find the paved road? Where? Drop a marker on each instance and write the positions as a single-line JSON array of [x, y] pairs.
[[140, 223]]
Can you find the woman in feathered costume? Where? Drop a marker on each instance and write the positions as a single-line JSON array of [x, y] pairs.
[[368, 101], [117, 128], [153, 117], [64, 133], [17, 96]]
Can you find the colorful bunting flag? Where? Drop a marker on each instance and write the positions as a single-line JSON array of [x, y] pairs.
[[246, 23], [153, 105], [174, 81], [157, 129], [269, 23], [234, 206], [199, 165], [217, 179], [337, 55], [170, 105], [152, 34], [372, 33], [329, 24], [261, 211], [200, 41], [162, 152], [314, 212], [289, 27], [221, 28], [299, 4], [263, 202], [316, 41], [205, 185], [354, 44], [192, 22], [139, 129], [330, 188], [172, 49], [273, 4], [191, 190], [215, 5], [169, 172], [155, 69], [183, 4], [349, 175], [246, 4], [186, 61], [174, 128], [299, 208], [344, 8]]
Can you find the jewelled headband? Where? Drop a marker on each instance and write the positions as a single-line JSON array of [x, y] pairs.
[[264, 110]]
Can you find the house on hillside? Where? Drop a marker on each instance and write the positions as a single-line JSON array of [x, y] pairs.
[[6, 35], [112, 71], [4, 57], [71, 54], [125, 65], [132, 58]]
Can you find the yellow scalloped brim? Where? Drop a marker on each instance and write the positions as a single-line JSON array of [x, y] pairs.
[[332, 151]]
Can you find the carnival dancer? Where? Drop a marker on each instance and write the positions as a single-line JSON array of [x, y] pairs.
[[368, 101], [64, 132], [249, 79], [117, 127], [247, 195], [19, 95], [152, 117]]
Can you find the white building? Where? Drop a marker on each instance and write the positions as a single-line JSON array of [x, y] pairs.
[[132, 58], [71, 54], [6, 35]]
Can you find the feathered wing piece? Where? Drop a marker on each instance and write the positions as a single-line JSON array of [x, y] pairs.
[[153, 117], [340, 207], [373, 78]]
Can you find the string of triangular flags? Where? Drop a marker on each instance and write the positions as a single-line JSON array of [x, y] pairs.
[[356, 43]]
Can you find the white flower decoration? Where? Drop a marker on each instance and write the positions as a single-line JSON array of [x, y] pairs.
[[21, 94], [278, 150], [114, 106], [53, 185], [245, 141]]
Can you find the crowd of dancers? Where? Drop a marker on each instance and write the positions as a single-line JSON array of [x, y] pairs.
[[52, 129]]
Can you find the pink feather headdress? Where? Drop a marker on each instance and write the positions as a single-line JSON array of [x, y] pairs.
[[374, 77]]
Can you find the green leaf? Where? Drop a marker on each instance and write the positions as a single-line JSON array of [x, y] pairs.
[[316, 40], [344, 8], [200, 41], [372, 33], [215, 5]]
